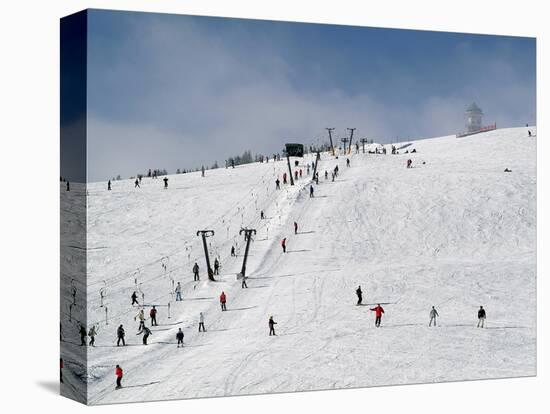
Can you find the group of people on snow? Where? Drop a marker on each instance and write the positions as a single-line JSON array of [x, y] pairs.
[[481, 315], [146, 332]]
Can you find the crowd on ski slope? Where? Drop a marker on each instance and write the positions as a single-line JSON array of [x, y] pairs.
[[140, 317]]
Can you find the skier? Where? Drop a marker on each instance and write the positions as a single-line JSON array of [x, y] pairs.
[[119, 374], [140, 316], [261, 215], [109, 185], [300, 173], [347, 162], [359, 293], [82, 335], [243, 283], [277, 184], [216, 266], [134, 299], [120, 336], [379, 311], [481, 315], [296, 175], [165, 179], [308, 169], [284, 178], [409, 163], [136, 184], [68, 186], [283, 245], [310, 191], [333, 176], [233, 251], [295, 228], [179, 337], [529, 132], [201, 322], [196, 272], [146, 332], [433, 316], [272, 324], [326, 175], [178, 292], [92, 333], [153, 315], [222, 301], [202, 170]]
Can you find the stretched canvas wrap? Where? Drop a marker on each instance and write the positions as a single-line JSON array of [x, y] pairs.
[[253, 207]]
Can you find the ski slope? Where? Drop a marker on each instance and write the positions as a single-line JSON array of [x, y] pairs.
[[454, 231]]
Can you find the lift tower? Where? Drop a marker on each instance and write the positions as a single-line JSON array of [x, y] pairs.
[[350, 138], [330, 137], [205, 234], [247, 237]]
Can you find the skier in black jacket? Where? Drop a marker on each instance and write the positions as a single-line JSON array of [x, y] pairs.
[[120, 336], [82, 335], [359, 293], [179, 337], [195, 272], [272, 324], [481, 315], [146, 332]]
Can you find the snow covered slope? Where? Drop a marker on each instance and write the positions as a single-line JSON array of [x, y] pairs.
[[455, 231]]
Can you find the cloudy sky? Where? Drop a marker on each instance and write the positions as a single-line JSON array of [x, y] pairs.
[[169, 91]]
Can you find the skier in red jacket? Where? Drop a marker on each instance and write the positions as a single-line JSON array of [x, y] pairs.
[[283, 245], [222, 301], [153, 315], [119, 374], [379, 311]]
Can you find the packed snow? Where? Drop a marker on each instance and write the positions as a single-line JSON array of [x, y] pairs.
[[454, 231]]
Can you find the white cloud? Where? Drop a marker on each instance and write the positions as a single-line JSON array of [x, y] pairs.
[[207, 99]]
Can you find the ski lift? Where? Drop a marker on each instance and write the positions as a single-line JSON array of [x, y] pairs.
[[172, 283], [73, 291], [102, 293], [142, 294], [136, 274], [164, 262]]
